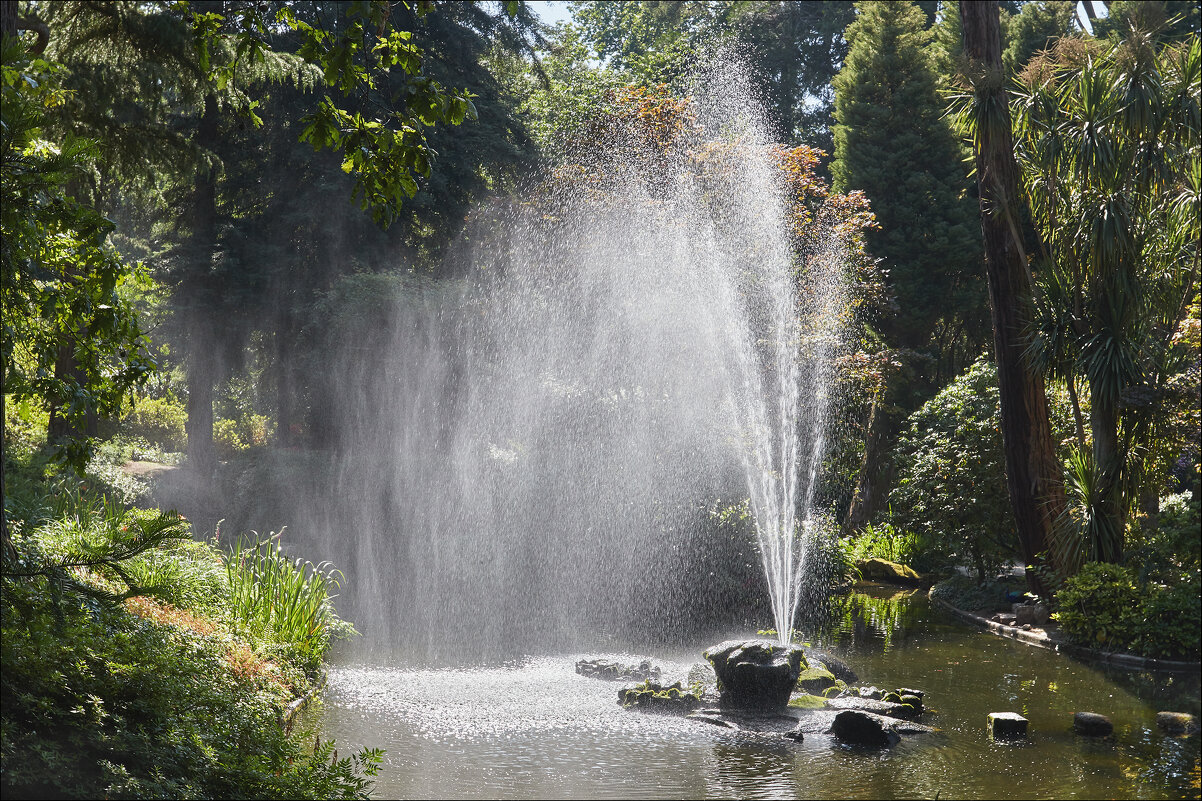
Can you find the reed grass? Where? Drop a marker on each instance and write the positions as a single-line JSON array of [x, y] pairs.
[[282, 599]]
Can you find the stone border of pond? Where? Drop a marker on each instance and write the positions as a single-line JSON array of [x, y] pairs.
[[296, 705], [1054, 640]]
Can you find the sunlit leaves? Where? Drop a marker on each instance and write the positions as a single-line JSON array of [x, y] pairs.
[[1108, 141], [61, 278]]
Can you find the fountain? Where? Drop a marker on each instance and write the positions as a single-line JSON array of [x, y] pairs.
[[526, 451]]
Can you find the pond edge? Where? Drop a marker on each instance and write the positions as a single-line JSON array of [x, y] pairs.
[[1041, 640], [288, 715]]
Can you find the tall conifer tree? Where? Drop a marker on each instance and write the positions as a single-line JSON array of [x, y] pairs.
[[893, 143]]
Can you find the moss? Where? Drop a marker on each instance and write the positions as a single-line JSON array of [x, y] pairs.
[[815, 680], [889, 572], [839, 687], [807, 701], [672, 699]]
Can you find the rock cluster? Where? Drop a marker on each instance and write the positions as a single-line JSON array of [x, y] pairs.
[[616, 671], [672, 699]]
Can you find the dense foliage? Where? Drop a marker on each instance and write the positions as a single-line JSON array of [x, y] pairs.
[[201, 202], [133, 664], [1106, 606]]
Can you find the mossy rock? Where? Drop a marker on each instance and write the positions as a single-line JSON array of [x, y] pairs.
[[807, 701], [672, 699], [816, 679], [837, 689], [888, 572]]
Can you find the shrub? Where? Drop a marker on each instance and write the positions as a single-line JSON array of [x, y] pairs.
[[107, 694], [1104, 606], [886, 541], [1092, 605], [227, 438], [160, 421], [952, 483]]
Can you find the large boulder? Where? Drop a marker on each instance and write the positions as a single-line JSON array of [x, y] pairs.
[[755, 675], [888, 572]]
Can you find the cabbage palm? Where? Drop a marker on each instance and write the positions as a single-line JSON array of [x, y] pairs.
[[1108, 145]]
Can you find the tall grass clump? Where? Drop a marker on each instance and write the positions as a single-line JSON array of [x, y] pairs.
[[284, 600]]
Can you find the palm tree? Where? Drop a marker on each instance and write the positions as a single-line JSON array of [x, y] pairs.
[[1107, 138]]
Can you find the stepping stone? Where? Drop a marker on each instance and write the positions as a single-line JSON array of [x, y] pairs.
[[1007, 726], [1092, 724], [1176, 723]]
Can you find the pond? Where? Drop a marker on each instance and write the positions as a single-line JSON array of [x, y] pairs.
[[532, 728]]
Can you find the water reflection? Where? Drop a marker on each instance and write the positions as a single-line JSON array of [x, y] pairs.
[[535, 729]]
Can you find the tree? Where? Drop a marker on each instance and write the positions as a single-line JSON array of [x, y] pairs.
[[795, 50], [893, 143], [1032, 469], [60, 276], [1108, 140]]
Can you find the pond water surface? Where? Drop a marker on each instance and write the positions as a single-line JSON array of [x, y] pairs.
[[532, 728]]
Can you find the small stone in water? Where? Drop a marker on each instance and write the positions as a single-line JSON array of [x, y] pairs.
[[1092, 724], [1177, 723], [1007, 725]]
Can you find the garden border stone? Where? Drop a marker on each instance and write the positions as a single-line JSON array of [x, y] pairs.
[[1041, 639]]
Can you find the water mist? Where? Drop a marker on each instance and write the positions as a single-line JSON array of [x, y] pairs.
[[526, 451]]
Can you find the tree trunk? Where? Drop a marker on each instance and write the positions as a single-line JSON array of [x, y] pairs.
[[1107, 459], [202, 364], [1032, 469], [202, 455], [284, 389], [875, 475]]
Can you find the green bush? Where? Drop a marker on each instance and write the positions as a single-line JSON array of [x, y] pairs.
[[107, 694], [886, 541], [99, 703], [227, 438], [1104, 606], [951, 487], [160, 421]]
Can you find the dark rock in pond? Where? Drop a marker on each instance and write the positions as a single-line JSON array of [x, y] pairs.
[[886, 708], [1092, 724], [756, 675], [651, 697], [616, 671], [1007, 726], [854, 727], [796, 734], [814, 680], [1176, 723]]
